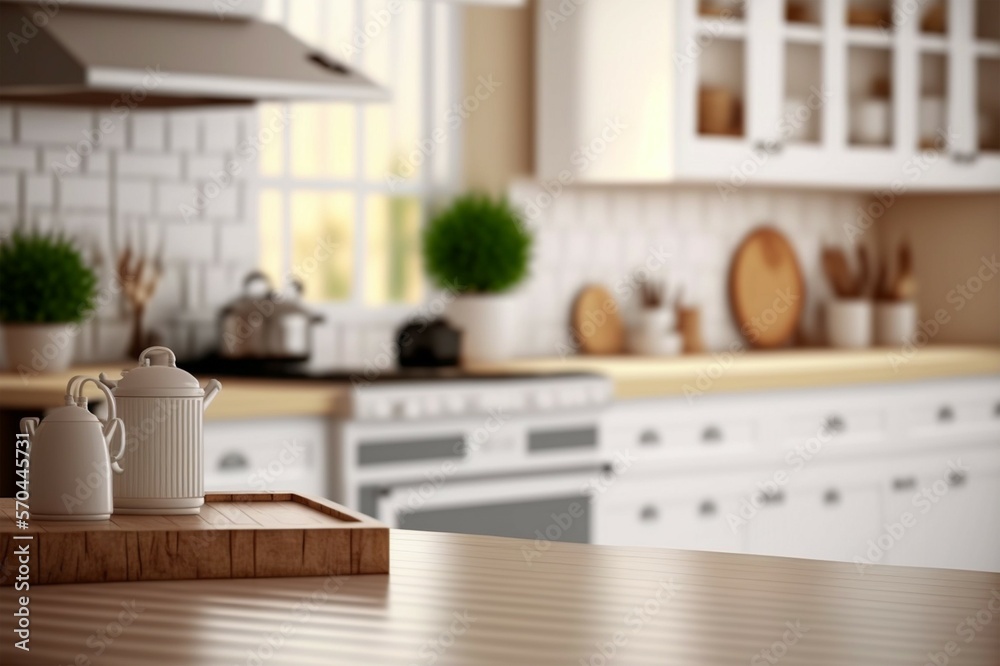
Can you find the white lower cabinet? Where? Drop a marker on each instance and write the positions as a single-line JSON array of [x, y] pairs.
[[267, 454], [946, 516], [830, 522], [847, 474]]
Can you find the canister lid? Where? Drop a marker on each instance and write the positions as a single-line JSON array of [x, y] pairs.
[[69, 413], [158, 376]]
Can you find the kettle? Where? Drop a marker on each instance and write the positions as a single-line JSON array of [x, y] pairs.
[[161, 406], [70, 464]]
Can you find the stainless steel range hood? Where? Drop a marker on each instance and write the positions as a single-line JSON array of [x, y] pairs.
[[89, 54]]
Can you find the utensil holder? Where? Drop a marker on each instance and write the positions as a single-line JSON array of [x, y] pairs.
[[895, 322], [849, 323]]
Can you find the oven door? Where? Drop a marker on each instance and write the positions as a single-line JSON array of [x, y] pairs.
[[551, 506]]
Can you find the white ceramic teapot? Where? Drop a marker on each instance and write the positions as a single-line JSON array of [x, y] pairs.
[[70, 466], [162, 408]]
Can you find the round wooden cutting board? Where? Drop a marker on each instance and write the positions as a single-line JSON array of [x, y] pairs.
[[597, 324], [766, 290]]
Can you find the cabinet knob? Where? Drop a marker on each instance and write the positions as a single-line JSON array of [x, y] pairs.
[[707, 508], [957, 479], [711, 435], [835, 424], [831, 497], [233, 461], [769, 498], [649, 513], [996, 410], [904, 483], [946, 414], [649, 438]]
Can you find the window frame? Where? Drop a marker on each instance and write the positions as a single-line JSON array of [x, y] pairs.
[[424, 187]]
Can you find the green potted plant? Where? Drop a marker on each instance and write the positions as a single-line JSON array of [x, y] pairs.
[[478, 249], [46, 288]]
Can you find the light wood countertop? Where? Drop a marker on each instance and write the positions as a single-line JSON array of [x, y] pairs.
[[645, 377], [240, 398], [634, 377], [468, 600]]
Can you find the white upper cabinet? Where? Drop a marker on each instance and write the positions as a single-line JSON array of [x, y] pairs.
[[862, 94]]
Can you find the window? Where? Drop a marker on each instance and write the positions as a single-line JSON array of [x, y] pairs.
[[344, 186]]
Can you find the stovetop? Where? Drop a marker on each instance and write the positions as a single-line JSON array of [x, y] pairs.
[[272, 369]]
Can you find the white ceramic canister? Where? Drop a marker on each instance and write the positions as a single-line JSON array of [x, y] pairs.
[[161, 406], [70, 464], [849, 323], [895, 322]]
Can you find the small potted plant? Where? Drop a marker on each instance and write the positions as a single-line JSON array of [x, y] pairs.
[[47, 288], [478, 249]]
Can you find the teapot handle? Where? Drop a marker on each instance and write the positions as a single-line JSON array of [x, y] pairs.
[[143, 359], [112, 412], [28, 425], [115, 427]]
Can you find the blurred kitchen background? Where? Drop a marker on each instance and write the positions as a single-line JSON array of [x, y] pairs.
[[760, 311]]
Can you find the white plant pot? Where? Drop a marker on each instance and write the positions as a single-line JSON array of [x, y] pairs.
[[662, 344], [849, 323], [490, 325], [895, 322], [38, 347], [655, 323]]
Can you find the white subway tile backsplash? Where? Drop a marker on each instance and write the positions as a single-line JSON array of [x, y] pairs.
[[112, 127], [147, 131], [97, 163], [6, 122], [219, 202], [220, 131], [47, 125], [84, 193], [8, 190], [189, 241], [15, 158], [149, 164], [238, 244], [197, 167], [182, 132], [177, 200], [693, 226], [39, 191], [134, 197]]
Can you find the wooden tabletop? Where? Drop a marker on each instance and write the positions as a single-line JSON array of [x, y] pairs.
[[743, 370], [468, 600]]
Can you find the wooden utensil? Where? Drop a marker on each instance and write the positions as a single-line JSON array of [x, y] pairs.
[[766, 289], [689, 325], [904, 286], [139, 278], [597, 324], [845, 282]]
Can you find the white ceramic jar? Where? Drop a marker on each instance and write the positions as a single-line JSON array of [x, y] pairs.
[[161, 406], [849, 323], [895, 322]]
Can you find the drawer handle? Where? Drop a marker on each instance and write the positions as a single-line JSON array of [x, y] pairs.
[[831, 497], [835, 424], [772, 498], [233, 461], [946, 414], [649, 513], [649, 438], [904, 483], [957, 479], [711, 435], [707, 508]]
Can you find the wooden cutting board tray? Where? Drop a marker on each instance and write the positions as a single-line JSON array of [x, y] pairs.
[[239, 535]]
